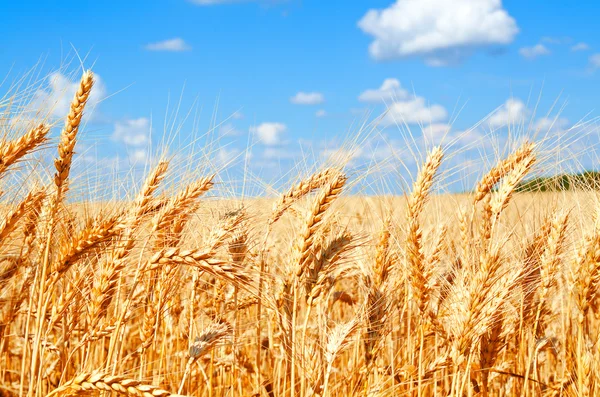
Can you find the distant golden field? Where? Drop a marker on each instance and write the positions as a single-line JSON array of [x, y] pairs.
[[312, 293]]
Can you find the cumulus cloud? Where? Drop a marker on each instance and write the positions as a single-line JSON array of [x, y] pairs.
[[534, 52], [307, 98], [414, 111], [580, 47], [321, 113], [134, 132], [269, 133], [513, 111], [55, 99], [390, 90], [440, 31], [173, 45]]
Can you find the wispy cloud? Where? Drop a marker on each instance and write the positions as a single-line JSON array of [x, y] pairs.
[[595, 61], [229, 129], [580, 47], [556, 40], [534, 52], [173, 45], [307, 98]]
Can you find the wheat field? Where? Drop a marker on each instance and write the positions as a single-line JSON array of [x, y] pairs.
[[314, 293]]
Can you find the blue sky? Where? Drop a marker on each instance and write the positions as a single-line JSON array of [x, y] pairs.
[[285, 75]]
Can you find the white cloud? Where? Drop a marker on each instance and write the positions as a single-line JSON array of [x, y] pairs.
[[534, 52], [307, 98], [472, 137], [269, 133], [237, 115], [138, 156], [513, 111], [438, 30], [228, 155], [174, 45], [134, 132], [580, 47], [547, 124], [435, 133], [321, 113], [228, 129], [55, 99], [556, 40], [390, 90], [342, 155], [414, 111], [595, 61], [271, 153]]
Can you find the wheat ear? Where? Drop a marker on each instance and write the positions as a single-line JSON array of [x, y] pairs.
[[62, 164], [337, 341], [306, 186], [420, 272], [13, 151], [501, 169], [314, 220], [215, 333], [181, 202], [98, 381], [202, 259], [103, 285], [9, 224], [68, 136]]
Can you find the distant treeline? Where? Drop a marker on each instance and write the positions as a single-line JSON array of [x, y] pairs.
[[585, 180]]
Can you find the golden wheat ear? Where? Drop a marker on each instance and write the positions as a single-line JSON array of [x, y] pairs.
[[11, 220], [420, 272], [314, 221], [305, 187], [501, 169], [68, 137], [86, 383], [13, 151]]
